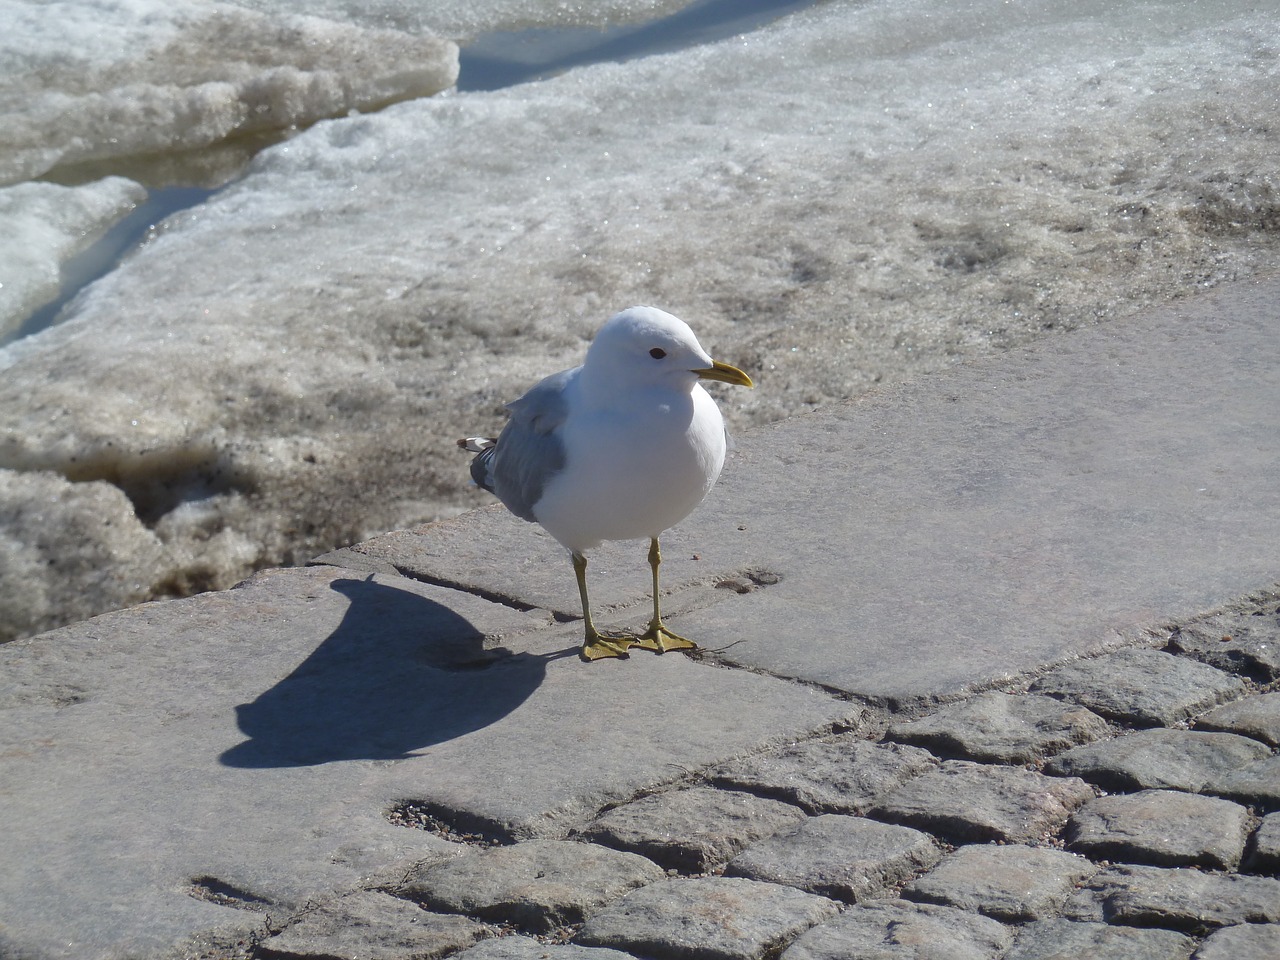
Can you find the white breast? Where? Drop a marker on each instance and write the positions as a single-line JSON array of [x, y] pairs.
[[633, 473]]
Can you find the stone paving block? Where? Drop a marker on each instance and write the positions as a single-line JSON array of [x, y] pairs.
[[691, 830], [1178, 898], [1245, 941], [526, 948], [1162, 828], [1245, 638], [1158, 758], [1141, 686], [999, 728], [706, 918], [898, 930], [846, 858], [1264, 855], [1256, 716], [843, 774], [536, 885], [1257, 784], [1012, 882], [970, 802], [1058, 939], [371, 926]]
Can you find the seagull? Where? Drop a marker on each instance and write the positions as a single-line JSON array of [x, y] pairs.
[[619, 448]]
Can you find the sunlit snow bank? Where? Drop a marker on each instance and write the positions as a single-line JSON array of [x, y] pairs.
[[85, 81], [88, 86], [862, 193], [464, 19], [44, 226]]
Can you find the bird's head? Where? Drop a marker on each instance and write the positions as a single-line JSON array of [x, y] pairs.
[[647, 347]]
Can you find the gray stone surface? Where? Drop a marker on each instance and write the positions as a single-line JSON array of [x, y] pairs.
[[1158, 758], [1257, 717], [1009, 882], [1059, 939], [1064, 491], [1000, 728], [1177, 898], [897, 930], [1258, 784], [526, 948], [842, 774], [1264, 855], [706, 918], [1140, 686], [538, 885], [846, 858], [257, 738], [691, 830], [1163, 828], [1243, 638], [1246, 941], [970, 802], [371, 926]]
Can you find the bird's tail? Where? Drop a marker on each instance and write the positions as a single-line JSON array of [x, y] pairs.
[[482, 465]]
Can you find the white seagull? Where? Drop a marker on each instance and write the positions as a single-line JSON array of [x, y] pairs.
[[620, 448]]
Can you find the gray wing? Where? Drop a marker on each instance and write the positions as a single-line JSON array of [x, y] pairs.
[[529, 450]]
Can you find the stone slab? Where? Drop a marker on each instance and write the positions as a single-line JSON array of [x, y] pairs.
[[1008, 882], [691, 830], [253, 742], [1264, 857], [1243, 638], [845, 858], [897, 930], [371, 926], [1257, 784], [1158, 758], [968, 802], [1163, 828], [537, 885], [1257, 717], [1177, 898], [1143, 687], [842, 774], [998, 728], [706, 918], [1074, 500], [526, 948], [1245, 941], [1058, 939]]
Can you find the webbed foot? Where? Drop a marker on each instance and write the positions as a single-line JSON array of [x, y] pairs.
[[659, 639], [602, 646]]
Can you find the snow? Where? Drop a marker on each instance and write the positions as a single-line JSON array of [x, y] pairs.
[[863, 192], [92, 80], [45, 225]]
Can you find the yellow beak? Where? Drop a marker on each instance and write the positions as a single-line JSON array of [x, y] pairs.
[[725, 374]]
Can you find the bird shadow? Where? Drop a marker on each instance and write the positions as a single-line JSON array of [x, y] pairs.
[[400, 673]]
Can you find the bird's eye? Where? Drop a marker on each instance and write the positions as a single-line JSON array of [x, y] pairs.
[[657, 353]]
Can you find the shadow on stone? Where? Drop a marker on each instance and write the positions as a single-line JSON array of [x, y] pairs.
[[399, 673]]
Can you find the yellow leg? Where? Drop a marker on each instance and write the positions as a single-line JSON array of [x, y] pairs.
[[596, 645], [658, 638]]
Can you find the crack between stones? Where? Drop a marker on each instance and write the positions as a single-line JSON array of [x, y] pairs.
[[493, 596]]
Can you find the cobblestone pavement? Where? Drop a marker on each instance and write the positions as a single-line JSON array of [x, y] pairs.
[[1126, 806]]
